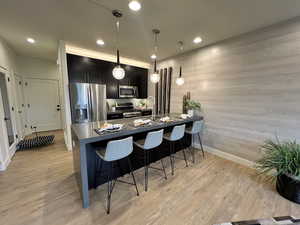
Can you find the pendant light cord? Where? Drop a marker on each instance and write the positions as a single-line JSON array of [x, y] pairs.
[[180, 43], [156, 32], [155, 43], [117, 41]]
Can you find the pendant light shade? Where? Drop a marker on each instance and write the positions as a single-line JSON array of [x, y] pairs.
[[118, 72], [180, 79], [155, 77]]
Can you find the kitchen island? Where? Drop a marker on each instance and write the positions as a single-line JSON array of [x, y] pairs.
[[86, 141]]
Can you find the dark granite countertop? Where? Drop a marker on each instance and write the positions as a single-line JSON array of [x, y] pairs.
[[85, 132]]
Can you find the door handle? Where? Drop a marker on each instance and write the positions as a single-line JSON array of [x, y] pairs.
[[58, 109], [6, 118]]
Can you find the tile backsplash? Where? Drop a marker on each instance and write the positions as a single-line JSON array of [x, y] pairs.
[[136, 102]]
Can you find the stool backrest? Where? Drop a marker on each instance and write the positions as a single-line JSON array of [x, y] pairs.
[[197, 126], [177, 132], [118, 149], [153, 139]]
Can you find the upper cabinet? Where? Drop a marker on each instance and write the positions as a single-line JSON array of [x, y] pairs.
[[87, 70]]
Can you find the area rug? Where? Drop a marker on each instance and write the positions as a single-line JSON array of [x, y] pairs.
[[283, 220]]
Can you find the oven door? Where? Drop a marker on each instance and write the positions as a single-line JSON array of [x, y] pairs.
[[127, 91]]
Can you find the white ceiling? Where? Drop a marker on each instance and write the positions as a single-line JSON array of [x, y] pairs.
[[81, 22]]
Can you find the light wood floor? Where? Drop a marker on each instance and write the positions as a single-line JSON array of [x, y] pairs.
[[39, 188]]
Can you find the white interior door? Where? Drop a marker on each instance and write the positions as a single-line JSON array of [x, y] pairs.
[[20, 107], [42, 99]]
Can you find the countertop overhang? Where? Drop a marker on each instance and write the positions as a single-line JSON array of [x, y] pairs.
[[85, 132]]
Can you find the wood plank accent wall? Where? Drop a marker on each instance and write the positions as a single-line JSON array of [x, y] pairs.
[[249, 87]]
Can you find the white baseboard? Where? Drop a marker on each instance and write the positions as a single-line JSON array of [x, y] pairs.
[[227, 156], [3, 166]]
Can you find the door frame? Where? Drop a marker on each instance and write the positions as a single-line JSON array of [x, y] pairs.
[[27, 102], [10, 150]]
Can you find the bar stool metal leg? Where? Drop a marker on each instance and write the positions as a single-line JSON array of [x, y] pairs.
[[184, 155], [191, 149], [172, 157], [109, 187], [200, 141], [133, 178], [163, 166], [146, 166]]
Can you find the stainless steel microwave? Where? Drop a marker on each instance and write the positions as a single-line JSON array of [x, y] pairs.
[[128, 91]]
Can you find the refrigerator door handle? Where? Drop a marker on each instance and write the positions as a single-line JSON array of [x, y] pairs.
[[90, 104]]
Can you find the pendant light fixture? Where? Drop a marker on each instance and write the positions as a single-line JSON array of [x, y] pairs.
[[118, 72], [155, 77], [180, 79]]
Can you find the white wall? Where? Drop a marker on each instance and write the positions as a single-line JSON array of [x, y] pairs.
[[7, 56], [8, 64], [37, 68]]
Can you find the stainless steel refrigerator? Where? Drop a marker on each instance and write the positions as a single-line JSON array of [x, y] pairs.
[[88, 102]]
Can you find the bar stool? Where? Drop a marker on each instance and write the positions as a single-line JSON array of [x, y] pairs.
[[114, 151], [195, 131], [152, 141], [176, 135]]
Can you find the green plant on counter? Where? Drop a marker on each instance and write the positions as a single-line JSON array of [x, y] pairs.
[[282, 157], [192, 105], [143, 103]]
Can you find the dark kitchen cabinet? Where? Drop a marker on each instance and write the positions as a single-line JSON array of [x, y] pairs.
[[87, 70]]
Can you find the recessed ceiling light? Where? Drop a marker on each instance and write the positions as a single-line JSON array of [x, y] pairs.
[[31, 40], [100, 42], [197, 40], [134, 5], [153, 56]]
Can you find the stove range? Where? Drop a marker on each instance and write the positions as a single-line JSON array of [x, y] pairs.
[[128, 110]]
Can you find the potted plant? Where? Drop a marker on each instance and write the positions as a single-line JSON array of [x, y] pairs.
[[142, 104], [283, 159], [192, 107]]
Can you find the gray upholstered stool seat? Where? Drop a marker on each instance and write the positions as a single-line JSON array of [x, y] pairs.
[[195, 130], [114, 151], [175, 136], [152, 141]]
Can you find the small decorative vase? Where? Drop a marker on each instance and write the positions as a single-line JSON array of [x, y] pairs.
[[191, 112]]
